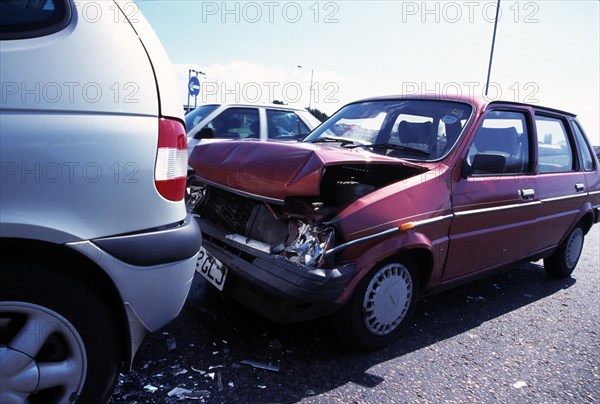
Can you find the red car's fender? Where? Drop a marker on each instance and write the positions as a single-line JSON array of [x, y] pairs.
[[405, 242]]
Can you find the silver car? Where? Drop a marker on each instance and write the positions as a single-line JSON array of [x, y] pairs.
[[97, 249]]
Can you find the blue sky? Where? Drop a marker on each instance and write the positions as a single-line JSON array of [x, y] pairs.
[[547, 52]]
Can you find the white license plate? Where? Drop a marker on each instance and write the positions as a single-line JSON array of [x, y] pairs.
[[211, 269]]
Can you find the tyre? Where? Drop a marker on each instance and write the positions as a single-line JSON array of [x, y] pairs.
[[564, 260], [380, 307], [58, 342]]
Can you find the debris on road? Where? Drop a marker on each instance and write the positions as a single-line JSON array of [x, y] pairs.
[[179, 392], [520, 384], [261, 365], [171, 344], [198, 370], [150, 388], [180, 372], [219, 381]]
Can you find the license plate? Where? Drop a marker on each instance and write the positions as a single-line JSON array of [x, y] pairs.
[[211, 269]]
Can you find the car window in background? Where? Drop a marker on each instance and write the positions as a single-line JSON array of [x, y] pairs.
[[194, 117], [236, 123], [586, 154], [26, 18], [554, 149], [503, 134], [285, 124]]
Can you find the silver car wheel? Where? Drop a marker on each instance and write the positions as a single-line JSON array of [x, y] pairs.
[[387, 299], [44, 352], [574, 246]]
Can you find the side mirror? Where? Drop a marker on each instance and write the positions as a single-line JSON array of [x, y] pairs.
[[483, 164], [466, 170], [205, 133], [489, 164]]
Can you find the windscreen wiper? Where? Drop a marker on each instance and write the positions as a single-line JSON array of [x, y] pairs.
[[394, 146]]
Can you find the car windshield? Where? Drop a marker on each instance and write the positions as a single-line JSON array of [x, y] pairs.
[[412, 129], [193, 117]]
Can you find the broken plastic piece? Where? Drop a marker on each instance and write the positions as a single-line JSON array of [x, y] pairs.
[[180, 372], [261, 365], [219, 381], [171, 344], [257, 245], [150, 388], [198, 370], [179, 392]]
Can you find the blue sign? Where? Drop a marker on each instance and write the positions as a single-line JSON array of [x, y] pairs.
[[194, 86]]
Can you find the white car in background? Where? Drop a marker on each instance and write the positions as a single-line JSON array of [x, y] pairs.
[[247, 121]]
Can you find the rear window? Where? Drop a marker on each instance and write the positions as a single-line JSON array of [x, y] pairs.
[[32, 18], [554, 148]]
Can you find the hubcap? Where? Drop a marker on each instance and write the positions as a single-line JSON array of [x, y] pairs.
[[574, 245], [387, 299], [41, 352]]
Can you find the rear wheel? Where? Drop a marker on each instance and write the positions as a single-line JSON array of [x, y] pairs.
[[58, 342], [564, 260], [381, 306]]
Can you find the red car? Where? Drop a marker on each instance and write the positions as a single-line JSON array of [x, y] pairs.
[[390, 200]]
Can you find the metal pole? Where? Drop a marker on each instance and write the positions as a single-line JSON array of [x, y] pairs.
[[487, 84], [188, 84], [196, 97], [312, 71]]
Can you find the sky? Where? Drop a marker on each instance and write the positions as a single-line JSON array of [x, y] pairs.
[[546, 52]]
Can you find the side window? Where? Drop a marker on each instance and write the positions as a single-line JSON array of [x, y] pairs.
[[586, 154], [31, 18], [501, 145], [555, 154], [285, 125], [237, 123]]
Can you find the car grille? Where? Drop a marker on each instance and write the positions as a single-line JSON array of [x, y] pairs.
[[228, 211]]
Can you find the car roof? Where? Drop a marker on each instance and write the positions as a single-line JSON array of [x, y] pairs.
[[249, 105], [480, 102]]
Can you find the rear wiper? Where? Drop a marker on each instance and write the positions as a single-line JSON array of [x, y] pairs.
[[394, 146]]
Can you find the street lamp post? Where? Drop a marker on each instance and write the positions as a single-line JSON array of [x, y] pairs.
[[310, 89]]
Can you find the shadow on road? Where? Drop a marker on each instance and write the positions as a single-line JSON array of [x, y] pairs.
[[213, 331]]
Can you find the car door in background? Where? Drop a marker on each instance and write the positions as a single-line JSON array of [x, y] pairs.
[[285, 125]]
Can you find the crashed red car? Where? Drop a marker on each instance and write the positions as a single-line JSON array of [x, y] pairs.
[[390, 200]]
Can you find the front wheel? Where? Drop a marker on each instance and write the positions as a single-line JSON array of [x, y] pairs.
[[381, 306], [564, 260]]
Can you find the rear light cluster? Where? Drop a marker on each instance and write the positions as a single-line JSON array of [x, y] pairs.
[[171, 160]]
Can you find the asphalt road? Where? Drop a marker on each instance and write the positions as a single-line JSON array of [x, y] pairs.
[[515, 336]]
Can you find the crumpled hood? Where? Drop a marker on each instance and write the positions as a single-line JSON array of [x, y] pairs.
[[277, 169]]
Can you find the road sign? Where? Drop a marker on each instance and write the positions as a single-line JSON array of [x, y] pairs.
[[194, 86]]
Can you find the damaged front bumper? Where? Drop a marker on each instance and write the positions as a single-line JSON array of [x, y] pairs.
[[272, 285]]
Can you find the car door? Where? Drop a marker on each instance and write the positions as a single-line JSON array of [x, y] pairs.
[[563, 189], [495, 200]]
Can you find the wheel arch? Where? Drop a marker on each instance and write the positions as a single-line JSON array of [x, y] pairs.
[[414, 245], [95, 276]]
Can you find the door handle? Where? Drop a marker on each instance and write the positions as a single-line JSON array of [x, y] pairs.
[[579, 187], [527, 193]]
